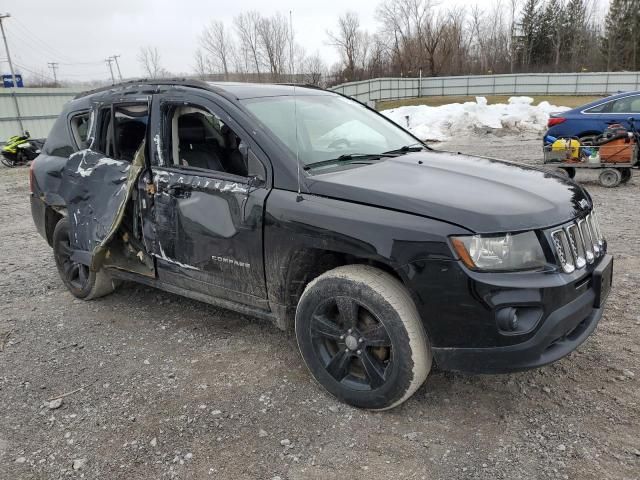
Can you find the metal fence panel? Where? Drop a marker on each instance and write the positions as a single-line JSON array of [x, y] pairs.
[[39, 107], [591, 83]]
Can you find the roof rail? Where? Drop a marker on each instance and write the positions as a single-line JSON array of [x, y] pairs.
[[185, 82], [305, 85]]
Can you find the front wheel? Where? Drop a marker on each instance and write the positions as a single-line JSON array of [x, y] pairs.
[[361, 337], [78, 278]]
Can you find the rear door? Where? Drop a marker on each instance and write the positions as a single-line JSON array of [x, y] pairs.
[[614, 111], [205, 196], [98, 180]]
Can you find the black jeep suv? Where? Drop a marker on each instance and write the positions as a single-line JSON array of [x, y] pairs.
[[311, 210]]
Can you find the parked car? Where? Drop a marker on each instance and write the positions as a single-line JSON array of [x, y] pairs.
[[309, 209], [590, 120]]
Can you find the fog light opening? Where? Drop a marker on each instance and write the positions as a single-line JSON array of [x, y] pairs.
[[508, 319]]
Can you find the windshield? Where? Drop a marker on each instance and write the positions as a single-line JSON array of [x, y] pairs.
[[329, 126]]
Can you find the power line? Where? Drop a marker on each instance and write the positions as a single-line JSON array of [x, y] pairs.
[[33, 72], [39, 52], [45, 45]]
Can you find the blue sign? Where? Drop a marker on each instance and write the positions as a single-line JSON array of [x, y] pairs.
[[7, 80]]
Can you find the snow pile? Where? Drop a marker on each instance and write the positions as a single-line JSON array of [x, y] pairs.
[[441, 123]]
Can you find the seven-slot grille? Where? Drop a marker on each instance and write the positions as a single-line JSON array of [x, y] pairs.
[[579, 243]]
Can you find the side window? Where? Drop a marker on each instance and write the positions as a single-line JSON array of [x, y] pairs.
[[200, 139], [80, 129], [602, 108], [122, 130], [627, 105], [130, 124]]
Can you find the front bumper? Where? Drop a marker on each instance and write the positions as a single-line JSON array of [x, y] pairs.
[[561, 332]]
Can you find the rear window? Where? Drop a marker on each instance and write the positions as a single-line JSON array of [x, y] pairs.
[[121, 134], [602, 108], [80, 129]]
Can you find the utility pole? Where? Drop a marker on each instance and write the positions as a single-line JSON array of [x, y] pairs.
[[13, 74], [115, 58], [109, 60], [54, 66]]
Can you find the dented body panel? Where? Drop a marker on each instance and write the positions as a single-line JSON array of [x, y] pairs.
[[209, 232], [96, 189]]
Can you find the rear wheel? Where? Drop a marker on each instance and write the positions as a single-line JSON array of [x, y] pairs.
[[78, 278], [610, 177], [361, 336]]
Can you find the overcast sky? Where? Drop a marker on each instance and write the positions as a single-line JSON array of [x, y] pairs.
[[80, 35]]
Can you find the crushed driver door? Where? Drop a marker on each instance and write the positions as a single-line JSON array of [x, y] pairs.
[[98, 181]]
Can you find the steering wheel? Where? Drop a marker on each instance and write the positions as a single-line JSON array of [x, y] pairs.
[[339, 142]]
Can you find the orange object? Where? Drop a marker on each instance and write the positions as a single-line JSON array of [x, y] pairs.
[[617, 151]]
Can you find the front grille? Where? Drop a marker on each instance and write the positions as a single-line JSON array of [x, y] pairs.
[[579, 243]]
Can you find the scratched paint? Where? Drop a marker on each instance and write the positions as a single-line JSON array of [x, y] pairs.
[[164, 257]]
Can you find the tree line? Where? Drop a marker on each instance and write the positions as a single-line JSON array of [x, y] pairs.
[[416, 37], [511, 36]]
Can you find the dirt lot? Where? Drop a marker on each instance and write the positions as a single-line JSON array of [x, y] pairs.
[[174, 388]]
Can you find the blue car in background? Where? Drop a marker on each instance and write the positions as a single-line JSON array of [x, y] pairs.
[[592, 119]]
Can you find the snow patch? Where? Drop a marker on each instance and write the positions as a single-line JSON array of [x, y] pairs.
[[443, 122]]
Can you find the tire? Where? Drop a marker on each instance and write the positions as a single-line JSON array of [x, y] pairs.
[[81, 282], [569, 172], [7, 162], [610, 177], [626, 175], [361, 337]]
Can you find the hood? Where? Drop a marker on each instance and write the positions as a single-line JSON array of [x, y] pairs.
[[481, 194]]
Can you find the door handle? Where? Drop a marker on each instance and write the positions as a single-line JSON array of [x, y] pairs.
[[179, 191]]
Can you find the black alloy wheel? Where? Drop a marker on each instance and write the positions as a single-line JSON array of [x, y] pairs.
[[361, 337], [351, 342]]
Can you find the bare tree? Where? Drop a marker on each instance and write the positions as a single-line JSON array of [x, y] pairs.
[[247, 28], [202, 66], [273, 34], [349, 40], [149, 60], [216, 41], [314, 69]]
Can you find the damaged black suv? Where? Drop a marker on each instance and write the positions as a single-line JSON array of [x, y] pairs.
[[306, 208]]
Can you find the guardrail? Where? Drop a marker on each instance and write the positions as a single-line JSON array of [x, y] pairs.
[[601, 83]]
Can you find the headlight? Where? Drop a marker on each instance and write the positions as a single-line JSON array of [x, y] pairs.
[[521, 251]]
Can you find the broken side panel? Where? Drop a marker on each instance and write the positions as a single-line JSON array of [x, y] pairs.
[[96, 189]]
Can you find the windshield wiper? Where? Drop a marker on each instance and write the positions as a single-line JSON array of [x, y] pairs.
[[346, 158], [415, 147]]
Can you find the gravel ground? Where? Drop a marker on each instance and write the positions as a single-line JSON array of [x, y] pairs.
[[163, 387]]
